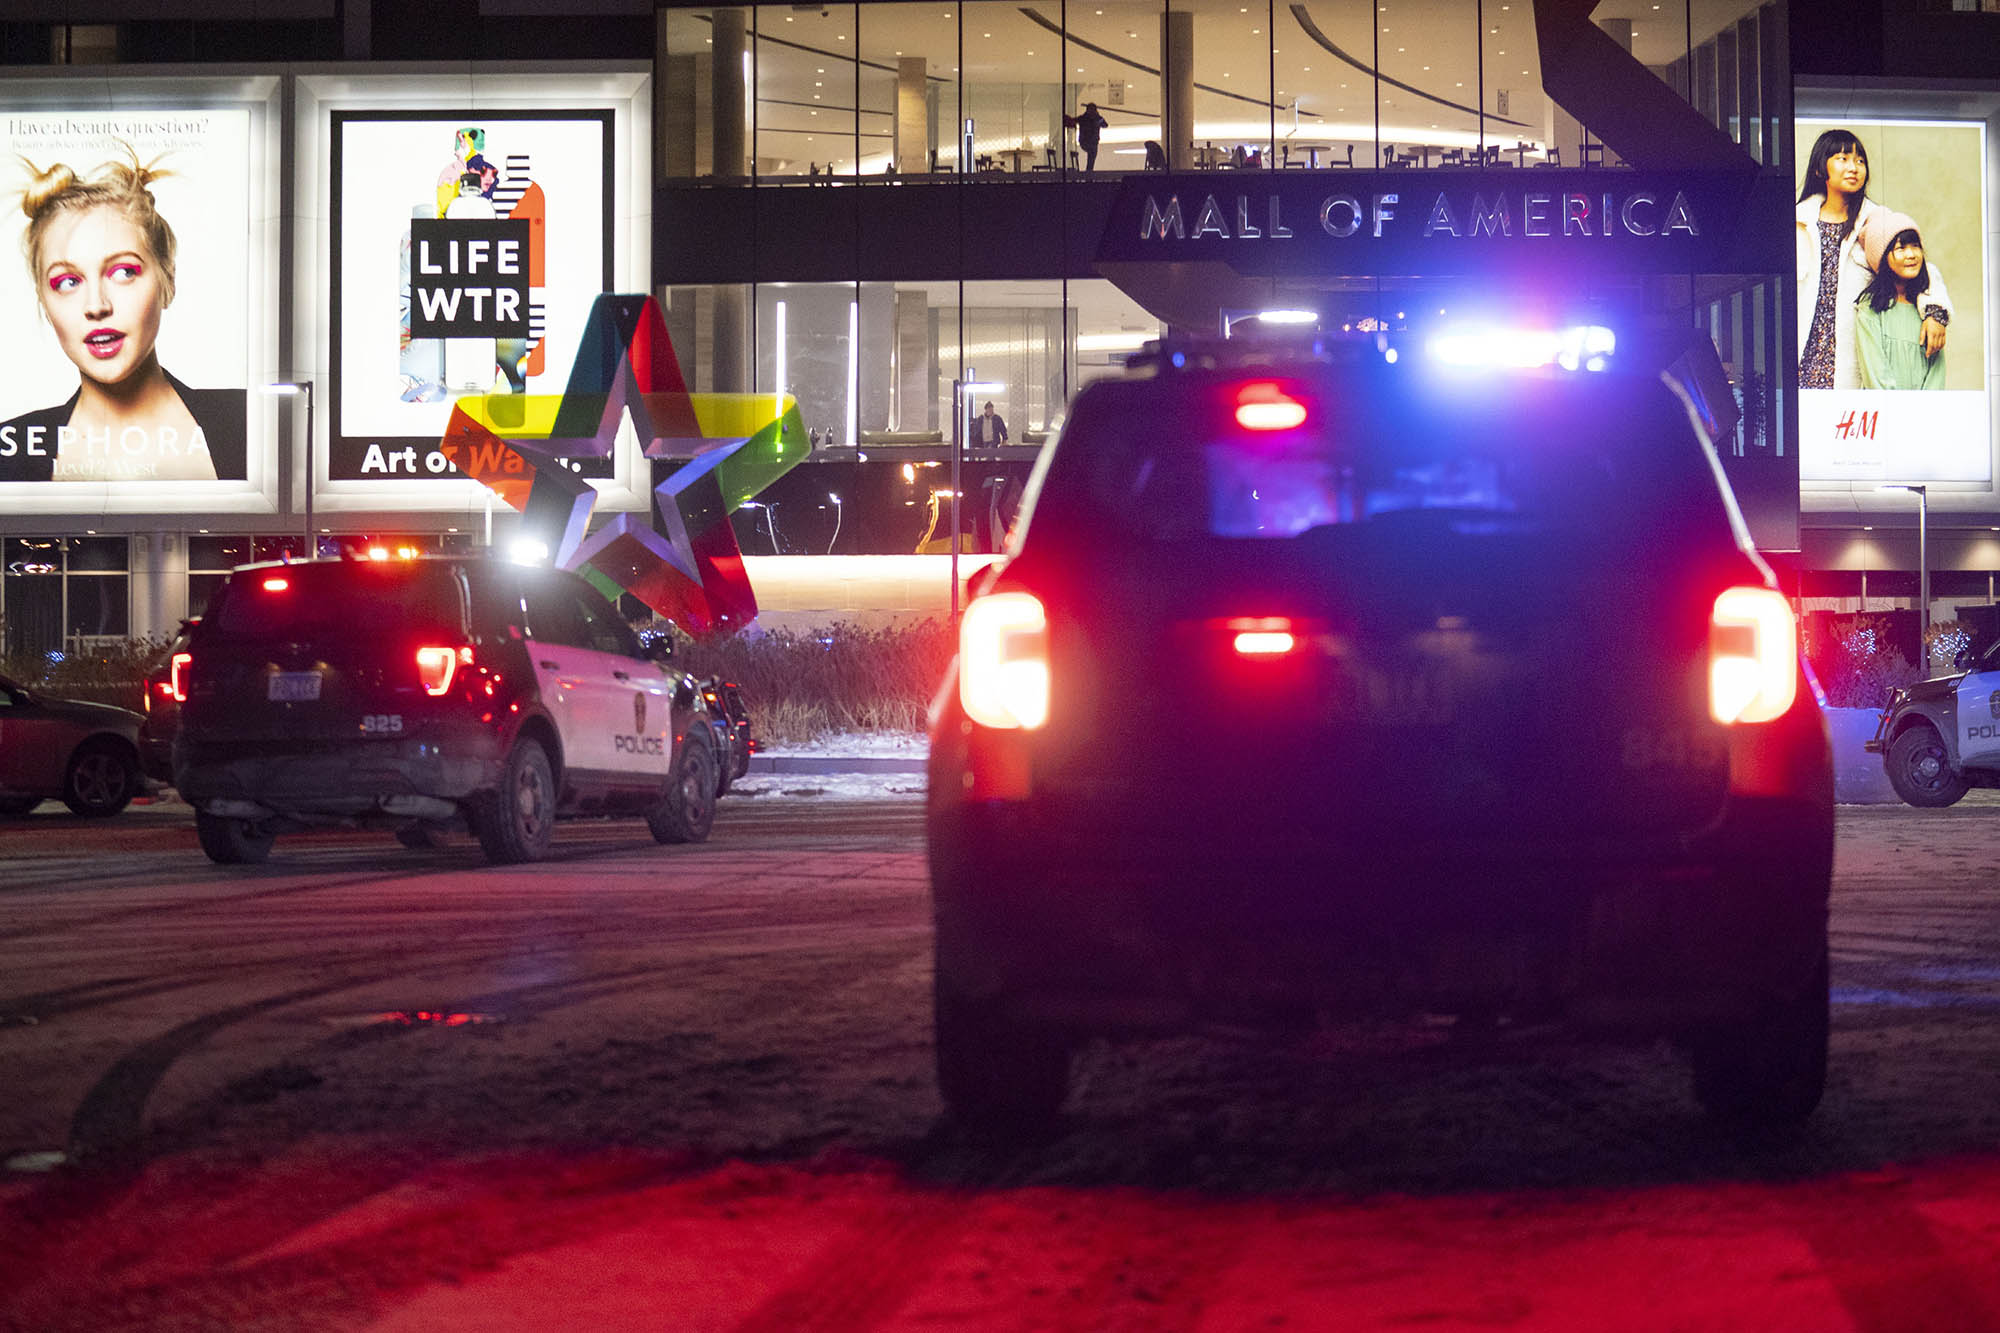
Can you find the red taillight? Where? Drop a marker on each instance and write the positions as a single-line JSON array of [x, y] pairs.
[[276, 585], [1266, 636], [1753, 648], [177, 677], [437, 665], [1264, 405], [1003, 661]]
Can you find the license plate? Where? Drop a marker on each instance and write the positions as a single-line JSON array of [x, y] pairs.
[[1422, 696], [294, 687]]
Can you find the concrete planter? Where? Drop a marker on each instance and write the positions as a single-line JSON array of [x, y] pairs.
[[1858, 776]]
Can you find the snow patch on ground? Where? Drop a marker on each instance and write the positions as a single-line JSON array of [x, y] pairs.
[[910, 745]]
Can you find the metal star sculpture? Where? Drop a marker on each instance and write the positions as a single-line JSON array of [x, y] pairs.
[[681, 559]]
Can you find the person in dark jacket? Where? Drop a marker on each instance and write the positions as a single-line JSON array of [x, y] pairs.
[[1089, 124]]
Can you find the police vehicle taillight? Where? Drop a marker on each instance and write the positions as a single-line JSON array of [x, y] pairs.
[[1003, 661], [1753, 648], [1264, 405], [276, 584], [437, 665], [1263, 636], [177, 676]]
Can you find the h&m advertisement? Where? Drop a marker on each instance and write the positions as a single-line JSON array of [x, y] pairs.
[[1892, 335], [468, 247], [126, 297]]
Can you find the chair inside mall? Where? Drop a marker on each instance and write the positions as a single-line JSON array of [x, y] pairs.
[[1156, 156], [1554, 159], [1589, 154]]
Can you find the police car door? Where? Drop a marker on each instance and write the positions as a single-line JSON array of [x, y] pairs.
[[636, 697], [1979, 716], [565, 669]]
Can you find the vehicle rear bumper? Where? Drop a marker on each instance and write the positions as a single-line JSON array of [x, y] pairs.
[[404, 777], [1082, 927]]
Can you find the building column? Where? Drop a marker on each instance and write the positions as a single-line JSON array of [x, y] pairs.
[[1177, 87], [913, 118], [915, 403], [729, 60]]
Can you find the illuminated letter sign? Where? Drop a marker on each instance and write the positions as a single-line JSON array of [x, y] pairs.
[[468, 278]]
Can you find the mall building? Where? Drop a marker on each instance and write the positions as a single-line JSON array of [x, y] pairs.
[[893, 213]]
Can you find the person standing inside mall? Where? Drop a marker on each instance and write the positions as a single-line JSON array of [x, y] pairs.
[[989, 428], [1089, 124]]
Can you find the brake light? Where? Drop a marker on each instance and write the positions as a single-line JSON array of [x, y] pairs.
[[1753, 647], [1269, 636], [1003, 661], [436, 666], [276, 584], [1264, 405], [177, 676]]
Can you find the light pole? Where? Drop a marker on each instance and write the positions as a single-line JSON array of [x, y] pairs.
[[1923, 569], [962, 391], [294, 388]]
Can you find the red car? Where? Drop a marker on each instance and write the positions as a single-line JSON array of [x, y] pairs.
[[86, 755]]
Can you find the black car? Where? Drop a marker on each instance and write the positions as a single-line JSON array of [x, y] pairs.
[[417, 694], [1325, 684], [83, 754], [1940, 738]]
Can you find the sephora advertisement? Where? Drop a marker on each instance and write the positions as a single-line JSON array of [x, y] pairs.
[[1892, 301], [468, 246], [129, 282]]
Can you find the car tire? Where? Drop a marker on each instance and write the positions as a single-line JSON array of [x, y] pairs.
[[232, 842], [101, 781], [1920, 769], [688, 811], [516, 822], [1769, 1073], [997, 1076]]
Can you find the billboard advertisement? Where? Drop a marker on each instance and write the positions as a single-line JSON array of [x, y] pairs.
[[467, 248], [130, 288], [1892, 319]]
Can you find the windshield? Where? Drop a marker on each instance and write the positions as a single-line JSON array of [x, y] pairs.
[[1172, 465], [362, 596]]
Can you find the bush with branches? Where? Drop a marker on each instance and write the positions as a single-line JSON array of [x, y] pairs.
[[1860, 670], [802, 684]]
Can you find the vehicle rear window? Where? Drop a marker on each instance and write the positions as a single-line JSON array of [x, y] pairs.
[[367, 596], [1612, 456]]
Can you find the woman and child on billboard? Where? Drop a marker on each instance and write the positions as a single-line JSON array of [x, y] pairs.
[[1874, 314]]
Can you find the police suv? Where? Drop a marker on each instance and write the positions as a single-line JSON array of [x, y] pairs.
[[1940, 738], [1324, 684], [416, 694]]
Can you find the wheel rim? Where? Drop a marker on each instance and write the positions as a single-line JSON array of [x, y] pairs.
[[531, 803], [697, 790], [100, 780], [1926, 767]]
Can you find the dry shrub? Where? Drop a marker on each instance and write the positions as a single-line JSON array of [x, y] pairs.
[[114, 674], [801, 685]]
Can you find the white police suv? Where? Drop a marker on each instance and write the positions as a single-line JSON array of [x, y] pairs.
[[415, 694]]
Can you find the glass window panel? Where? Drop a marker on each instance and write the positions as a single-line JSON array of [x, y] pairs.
[[1520, 124], [805, 67], [201, 587], [686, 96], [1325, 93], [283, 548], [99, 554], [218, 552], [829, 345], [98, 607], [1113, 58], [32, 603], [1232, 78]]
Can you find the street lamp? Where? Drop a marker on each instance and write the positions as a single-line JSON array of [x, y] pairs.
[[962, 391], [1923, 568], [293, 388]]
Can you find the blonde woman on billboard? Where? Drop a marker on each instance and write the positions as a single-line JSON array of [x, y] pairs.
[[1833, 207], [102, 260], [1888, 333]]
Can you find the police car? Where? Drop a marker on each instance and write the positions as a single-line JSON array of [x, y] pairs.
[[1940, 738], [1325, 684], [418, 694]]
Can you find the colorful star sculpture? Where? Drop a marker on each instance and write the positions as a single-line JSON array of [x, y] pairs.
[[681, 559]]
